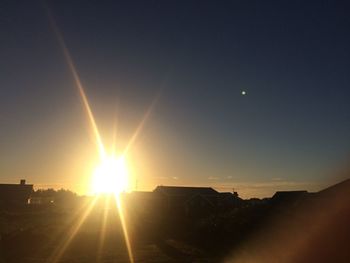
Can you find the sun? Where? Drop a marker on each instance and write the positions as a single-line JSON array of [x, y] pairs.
[[110, 176]]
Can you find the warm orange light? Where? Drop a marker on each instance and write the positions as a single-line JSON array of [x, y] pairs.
[[110, 177]]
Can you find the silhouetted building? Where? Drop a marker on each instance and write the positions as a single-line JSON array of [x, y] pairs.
[[191, 201], [195, 201], [15, 194], [144, 203], [184, 191], [198, 205], [338, 193], [288, 197], [343, 186]]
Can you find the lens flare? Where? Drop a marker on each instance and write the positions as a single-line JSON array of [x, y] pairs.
[[111, 175], [107, 165]]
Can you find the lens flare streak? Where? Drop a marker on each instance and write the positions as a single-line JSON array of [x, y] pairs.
[[124, 227], [103, 227], [63, 247], [141, 124], [99, 143], [100, 146], [78, 85]]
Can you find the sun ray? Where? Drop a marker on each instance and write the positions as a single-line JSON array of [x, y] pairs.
[[114, 139], [124, 226], [103, 226], [100, 146], [141, 124], [78, 85], [74, 230], [115, 127], [74, 218]]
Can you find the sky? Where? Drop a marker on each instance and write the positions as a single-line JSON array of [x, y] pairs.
[[186, 63]]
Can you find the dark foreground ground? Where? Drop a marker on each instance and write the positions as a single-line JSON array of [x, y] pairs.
[[85, 233], [316, 229]]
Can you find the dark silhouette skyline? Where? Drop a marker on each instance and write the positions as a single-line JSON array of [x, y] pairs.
[[176, 224]]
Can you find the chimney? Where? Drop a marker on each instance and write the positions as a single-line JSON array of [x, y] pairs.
[[22, 182]]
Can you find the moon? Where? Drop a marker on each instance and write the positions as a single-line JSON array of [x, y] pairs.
[[243, 92]]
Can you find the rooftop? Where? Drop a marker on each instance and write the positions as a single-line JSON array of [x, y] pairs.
[[182, 190]]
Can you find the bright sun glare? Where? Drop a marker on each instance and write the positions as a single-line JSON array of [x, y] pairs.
[[110, 177]]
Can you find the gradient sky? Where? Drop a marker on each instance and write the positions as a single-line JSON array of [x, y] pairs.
[[193, 59]]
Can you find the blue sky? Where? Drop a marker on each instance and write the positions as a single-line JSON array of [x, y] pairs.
[[291, 57]]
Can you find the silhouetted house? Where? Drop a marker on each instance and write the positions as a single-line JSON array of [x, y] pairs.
[[229, 200], [195, 201], [288, 197], [15, 194], [256, 201], [336, 189], [338, 193], [198, 205], [144, 203], [184, 191]]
